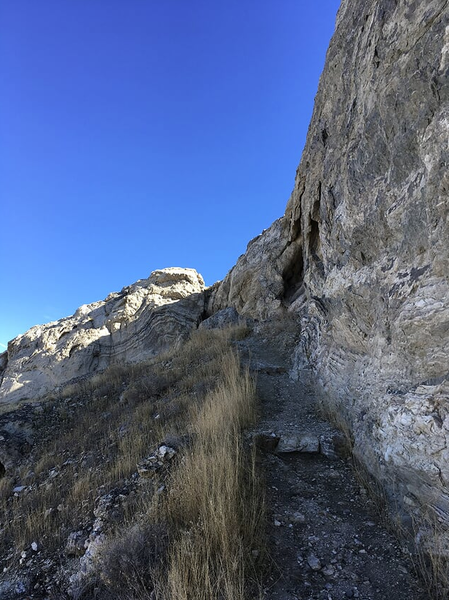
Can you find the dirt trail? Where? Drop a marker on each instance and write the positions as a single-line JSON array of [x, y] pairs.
[[326, 539]]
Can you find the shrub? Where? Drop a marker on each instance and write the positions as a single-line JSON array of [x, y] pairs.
[[133, 562]]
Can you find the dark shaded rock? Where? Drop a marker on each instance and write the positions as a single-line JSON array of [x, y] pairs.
[[227, 317], [266, 442]]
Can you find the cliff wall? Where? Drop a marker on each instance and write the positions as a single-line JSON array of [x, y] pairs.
[[362, 252]]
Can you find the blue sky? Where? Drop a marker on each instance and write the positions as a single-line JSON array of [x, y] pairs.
[[141, 134]]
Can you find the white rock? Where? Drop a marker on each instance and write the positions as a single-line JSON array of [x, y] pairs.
[[142, 320]]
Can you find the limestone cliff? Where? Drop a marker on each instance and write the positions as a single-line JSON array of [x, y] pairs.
[[362, 251], [142, 320]]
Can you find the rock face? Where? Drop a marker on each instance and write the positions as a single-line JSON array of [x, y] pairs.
[[362, 251], [140, 321]]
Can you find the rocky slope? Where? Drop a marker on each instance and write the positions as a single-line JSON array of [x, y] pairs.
[[136, 323], [361, 252]]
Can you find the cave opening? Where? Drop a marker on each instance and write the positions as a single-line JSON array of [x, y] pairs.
[[293, 277], [2, 470]]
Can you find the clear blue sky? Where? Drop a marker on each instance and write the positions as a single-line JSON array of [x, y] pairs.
[[141, 134]]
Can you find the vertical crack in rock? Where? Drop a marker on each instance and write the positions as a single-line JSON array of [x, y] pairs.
[[293, 276], [3, 365]]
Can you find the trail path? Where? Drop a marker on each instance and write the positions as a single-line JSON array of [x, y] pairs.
[[326, 539]]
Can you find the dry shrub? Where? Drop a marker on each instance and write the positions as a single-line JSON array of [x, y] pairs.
[[132, 563], [430, 527]]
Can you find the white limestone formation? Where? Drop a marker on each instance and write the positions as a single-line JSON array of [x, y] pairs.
[[142, 320]]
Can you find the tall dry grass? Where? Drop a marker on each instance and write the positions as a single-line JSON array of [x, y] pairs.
[[215, 500]]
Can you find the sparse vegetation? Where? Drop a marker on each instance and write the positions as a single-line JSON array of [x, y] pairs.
[[431, 539], [214, 500], [191, 531]]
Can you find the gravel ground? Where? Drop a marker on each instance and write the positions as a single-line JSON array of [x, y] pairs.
[[325, 535]]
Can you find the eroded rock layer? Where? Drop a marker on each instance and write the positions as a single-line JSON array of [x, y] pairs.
[[140, 321], [362, 251]]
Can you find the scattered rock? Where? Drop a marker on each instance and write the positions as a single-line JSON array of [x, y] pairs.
[[297, 517], [165, 453], [314, 562], [306, 442], [153, 463], [266, 441], [75, 545]]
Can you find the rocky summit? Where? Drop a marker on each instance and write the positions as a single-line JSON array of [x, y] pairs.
[[128, 326]]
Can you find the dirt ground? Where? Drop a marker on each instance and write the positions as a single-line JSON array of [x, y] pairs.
[[326, 539]]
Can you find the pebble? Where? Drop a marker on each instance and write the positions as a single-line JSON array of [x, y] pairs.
[[314, 562], [298, 517]]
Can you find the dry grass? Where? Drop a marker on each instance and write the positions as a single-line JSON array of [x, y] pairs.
[[215, 500], [94, 435], [431, 558], [430, 529]]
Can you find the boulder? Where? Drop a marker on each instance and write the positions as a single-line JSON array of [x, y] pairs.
[[303, 442]]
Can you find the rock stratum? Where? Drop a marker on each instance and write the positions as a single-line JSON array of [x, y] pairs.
[[362, 251], [138, 322]]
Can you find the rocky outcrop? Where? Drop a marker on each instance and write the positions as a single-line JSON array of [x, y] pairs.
[[140, 321], [361, 252]]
